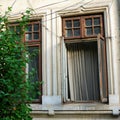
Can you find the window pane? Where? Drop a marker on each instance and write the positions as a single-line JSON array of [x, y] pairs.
[[89, 31], [68, 23], [36, 36], [76, 32], [97, 30], [88, 22], [96, 21], [36, 27], [29, 28], [12, 28], [18, 29], [69, 33], [33, 70], [76, 23], [28, 36]]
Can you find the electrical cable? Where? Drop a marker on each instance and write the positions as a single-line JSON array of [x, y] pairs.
[[13, 3], [38, 7], [53, 12], [59, 11]]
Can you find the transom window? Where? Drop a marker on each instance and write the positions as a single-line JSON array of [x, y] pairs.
[[72, 27], [33, 32], [82, 26]]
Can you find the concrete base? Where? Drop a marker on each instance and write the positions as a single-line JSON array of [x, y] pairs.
[[113, 99], [51, 100], [67, 115]]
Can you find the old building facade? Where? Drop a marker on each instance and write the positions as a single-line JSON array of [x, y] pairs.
[[79, 59]]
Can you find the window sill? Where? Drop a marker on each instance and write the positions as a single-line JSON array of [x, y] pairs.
[[51, 112], [77, 108], [71, 110]]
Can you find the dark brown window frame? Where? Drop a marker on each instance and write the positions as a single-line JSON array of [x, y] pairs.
[[32, 23], [103, 76], [34, 43], [38, 43], [83, 26], [101, 43]]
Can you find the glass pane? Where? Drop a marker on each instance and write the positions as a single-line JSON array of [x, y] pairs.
[[89, 31], [33, 70], [76, 23], [12, 28], [68, 23], [36, 27], [28, 36], [88, 22], [96, 21], [18, 29], [36, 36], [97, 30], [76, 32], [29, 28], [69, 33]]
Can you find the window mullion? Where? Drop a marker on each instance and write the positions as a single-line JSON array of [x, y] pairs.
[[101, 25], [93, 32], [32, 31], [72, 28], [82, 26]]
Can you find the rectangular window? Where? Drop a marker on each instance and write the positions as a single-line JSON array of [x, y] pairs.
[[82, 26], [93, 25], [32, 40], [72, 27], [85, 59], [32, 33]]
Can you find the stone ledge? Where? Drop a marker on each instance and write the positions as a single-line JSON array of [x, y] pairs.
[[72, 112], [75, 107]]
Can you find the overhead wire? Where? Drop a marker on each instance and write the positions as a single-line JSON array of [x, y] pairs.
[[13, 3], [53, 13], [10, 6], [51, 4], [34, 10], [58, 11], [65, 9], [41, 22], [39, 7]]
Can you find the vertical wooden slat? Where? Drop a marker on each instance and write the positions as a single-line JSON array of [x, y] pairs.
[[102, 68]]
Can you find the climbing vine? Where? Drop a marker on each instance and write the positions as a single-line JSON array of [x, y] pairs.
[[13, 83]]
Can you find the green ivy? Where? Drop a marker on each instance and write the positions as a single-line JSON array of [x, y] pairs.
[[13, 84]]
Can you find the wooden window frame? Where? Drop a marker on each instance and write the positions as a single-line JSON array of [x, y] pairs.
[[83, 26], [101, 44], [32, 23], [93, 26], [38, 43], [102, 63], [40, 70], [34, 43], [72, 19]]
